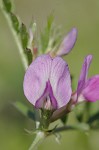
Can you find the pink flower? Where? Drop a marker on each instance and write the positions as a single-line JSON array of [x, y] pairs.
[[47, 83], [68, 43], [88, 89]]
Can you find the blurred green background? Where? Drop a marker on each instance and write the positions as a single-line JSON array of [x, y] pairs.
[[83, 14]]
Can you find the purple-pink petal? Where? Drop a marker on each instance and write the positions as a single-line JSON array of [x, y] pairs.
[[47, 98], [36, 78], [68, 43], [60, 81], [91, 89], [83, 74], [47, 82]]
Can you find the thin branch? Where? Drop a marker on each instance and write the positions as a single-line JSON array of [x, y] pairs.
[[15, 35], [40, 136]]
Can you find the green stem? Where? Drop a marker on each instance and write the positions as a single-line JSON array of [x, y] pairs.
[[40, 136], [15, 35]]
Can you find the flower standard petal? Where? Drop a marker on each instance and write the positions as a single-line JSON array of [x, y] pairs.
[[36, 77], [60, 81], [68, 43], [83, 74], [91, 89]]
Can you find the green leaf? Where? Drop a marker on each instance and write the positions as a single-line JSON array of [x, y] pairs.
[[7, 4], [24, 39], [50, 21], [15, 22], [24, 36], [45, 35], [25, 110], [64, 119]]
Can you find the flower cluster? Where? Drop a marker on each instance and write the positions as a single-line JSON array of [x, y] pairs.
[[47, 82]]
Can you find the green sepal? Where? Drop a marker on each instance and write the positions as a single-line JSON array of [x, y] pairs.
[[25, 110], [45, 119], [7, 5]]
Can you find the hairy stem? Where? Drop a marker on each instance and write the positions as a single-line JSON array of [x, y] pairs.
[[40, 136], [15, 35]]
